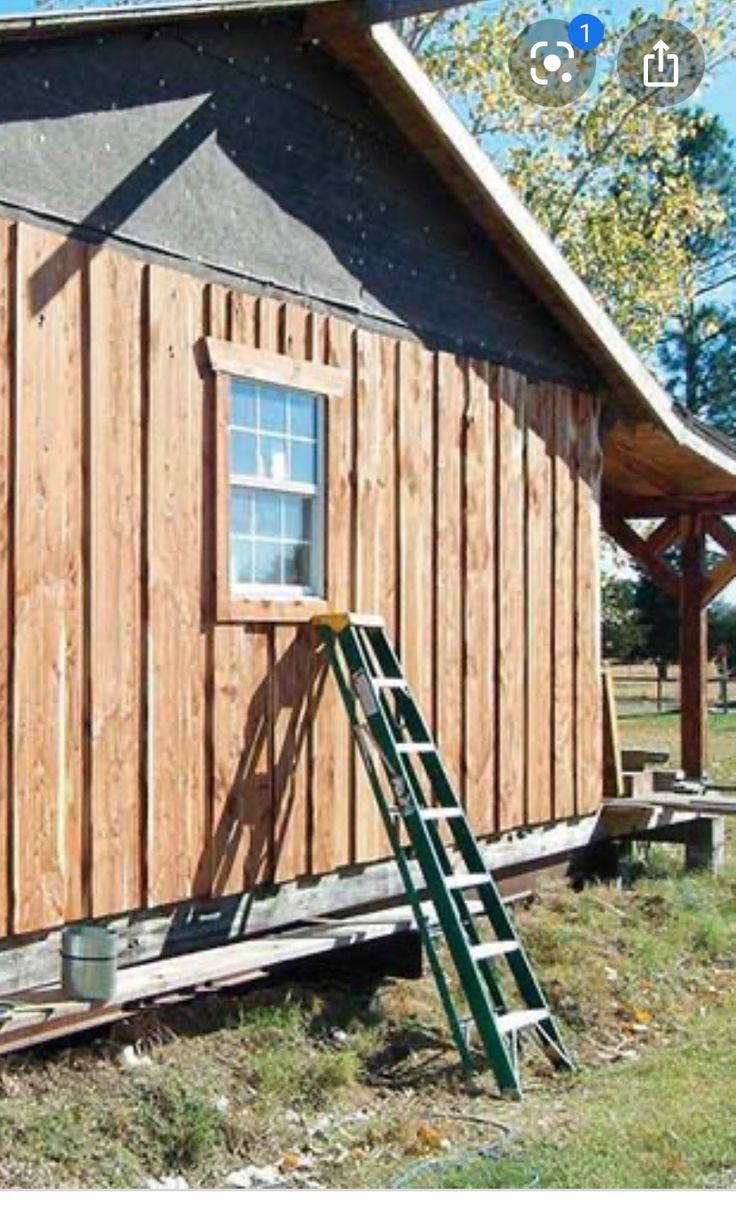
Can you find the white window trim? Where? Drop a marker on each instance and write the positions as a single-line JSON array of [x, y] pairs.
[[247, 591]]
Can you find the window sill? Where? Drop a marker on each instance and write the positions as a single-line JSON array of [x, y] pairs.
[[270, 610]]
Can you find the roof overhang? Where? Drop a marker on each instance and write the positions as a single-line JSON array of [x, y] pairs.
[[673, 456]]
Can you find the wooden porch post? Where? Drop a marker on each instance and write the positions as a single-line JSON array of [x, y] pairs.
[[693, 653]]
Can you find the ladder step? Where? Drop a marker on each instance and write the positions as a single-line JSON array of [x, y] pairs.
[[483, 951], [466, 880], [518, 1020], [368, 622], [440, 814], [368, 671]]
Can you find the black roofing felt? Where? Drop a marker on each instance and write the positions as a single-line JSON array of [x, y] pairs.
[[235, 148]]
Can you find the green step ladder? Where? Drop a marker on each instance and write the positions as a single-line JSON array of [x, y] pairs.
[[413, 790]]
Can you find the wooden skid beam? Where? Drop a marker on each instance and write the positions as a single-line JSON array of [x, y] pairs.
[[191, 926]]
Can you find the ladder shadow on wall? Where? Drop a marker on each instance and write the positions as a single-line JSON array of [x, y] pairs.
[[257, 822]]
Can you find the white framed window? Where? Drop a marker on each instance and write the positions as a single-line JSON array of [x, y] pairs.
[[276, 438]]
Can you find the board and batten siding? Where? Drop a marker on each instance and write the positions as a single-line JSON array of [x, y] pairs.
[[150, 753]]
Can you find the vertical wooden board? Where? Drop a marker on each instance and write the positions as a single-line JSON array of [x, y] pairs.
[[178, 842], [375, 531], [588, 627], [563, 671], [242, 779], [333, 758], [416, 520], [511, 590], [48, 634], [294, 645], [7, 311], [480, 499], [450, 599], [115, 577], [539, 435], [242, 707]]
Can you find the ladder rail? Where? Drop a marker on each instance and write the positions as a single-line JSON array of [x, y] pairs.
[[424, 833], [438, 973], [383, 712]]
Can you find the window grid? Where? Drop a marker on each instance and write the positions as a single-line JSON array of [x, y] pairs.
[[279, 557]]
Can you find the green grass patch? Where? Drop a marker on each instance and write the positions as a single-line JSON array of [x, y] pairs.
[[665, 1121]]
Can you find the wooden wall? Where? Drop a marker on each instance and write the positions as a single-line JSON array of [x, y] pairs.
[[149, 754]]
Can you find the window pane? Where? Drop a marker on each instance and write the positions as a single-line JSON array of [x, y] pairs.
[[241, 511], [303, 416], [297, 517], [241, 561], [243, 454], [272, 463], [267, 569], [243, 404], [268, 515], [297, 560], [303, 462], [273, 409]]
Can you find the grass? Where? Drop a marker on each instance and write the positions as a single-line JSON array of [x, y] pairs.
[[648, 729], [357, 1085], [344, 1086]]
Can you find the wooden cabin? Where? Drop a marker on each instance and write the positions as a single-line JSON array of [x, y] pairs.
[[275, 337]]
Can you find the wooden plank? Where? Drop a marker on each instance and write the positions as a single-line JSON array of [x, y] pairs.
[[511, 637], [48, 658], [178, 832], [242, 835], [294, 645], [539, 756], [375, 548], [173, 929], [115, 577], [613, 779], [450, 581], [564, 605], [7, 441], [333, 757], [289, 369], [479, 680], [416, 521], [588, 626], [46, 1012], [242, 784]]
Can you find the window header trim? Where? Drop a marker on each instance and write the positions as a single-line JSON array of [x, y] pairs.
[[278, 370]]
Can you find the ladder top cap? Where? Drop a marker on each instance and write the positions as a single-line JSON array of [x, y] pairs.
[[338, 622]]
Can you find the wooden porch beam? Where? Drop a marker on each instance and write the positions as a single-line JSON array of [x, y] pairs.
[[665, 536], [634, 506], [718, 578], [693, 656], [638, 548], [723, 533]]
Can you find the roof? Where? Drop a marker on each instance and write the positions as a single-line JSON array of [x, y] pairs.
[[653, 449], [680, 457]]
